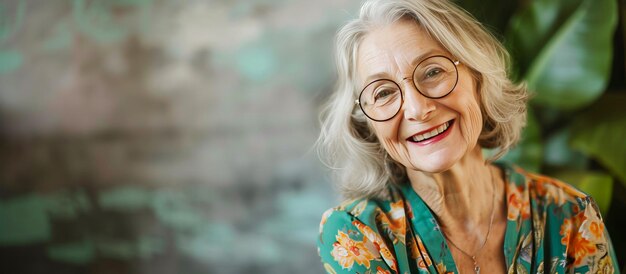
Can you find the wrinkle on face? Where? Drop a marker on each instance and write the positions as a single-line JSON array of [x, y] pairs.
[[392, 52], [375, 46]]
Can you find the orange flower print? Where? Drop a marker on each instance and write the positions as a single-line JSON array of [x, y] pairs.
[[594, 230], [566, 231], [380, 270], [540, 187], [575, 209], [358, 208], [518, 205], [441, 268], [423, 260], [546, 188], [592, 227], [394, 221], [409, 211], [413, 250], [347, 251], [588, 241], [325, 218], [378, 243], [369, 233], [581, 249], [423, 263], [398, 221], [388, 257]]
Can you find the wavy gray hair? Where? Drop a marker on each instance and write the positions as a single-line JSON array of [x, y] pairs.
[[348, 145]]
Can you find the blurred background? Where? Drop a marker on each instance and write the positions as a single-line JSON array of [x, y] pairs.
[[154, 136]]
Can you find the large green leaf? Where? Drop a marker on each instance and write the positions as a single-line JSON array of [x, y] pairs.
[[563, 49], [559, 154], [597, 184], [601, 133]]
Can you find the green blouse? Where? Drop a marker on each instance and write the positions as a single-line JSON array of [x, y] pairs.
[[551, 228]]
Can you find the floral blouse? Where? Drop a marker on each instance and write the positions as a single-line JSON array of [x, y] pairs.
[[551, 228]]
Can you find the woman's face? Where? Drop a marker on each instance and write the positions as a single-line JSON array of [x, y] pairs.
[[392, 52]]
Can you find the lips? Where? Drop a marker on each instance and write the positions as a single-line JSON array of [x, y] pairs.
[[431, 133]]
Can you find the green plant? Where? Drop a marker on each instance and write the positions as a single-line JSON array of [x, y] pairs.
[[565, 51]]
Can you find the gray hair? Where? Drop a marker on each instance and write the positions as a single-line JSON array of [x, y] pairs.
[[346, 142]]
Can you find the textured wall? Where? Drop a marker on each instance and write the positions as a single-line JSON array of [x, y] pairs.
[[141, 136]]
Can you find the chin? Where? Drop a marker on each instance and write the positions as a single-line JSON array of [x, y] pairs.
[[437, 162], [432, 166]]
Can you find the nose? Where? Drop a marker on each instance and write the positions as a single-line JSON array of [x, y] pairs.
[[417, 107]]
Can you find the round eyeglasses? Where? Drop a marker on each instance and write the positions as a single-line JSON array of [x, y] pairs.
[[435, 77]]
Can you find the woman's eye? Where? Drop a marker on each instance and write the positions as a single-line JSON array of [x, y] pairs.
[[383, 94], [433, 73]]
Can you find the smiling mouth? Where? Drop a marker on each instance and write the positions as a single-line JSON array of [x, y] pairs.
[[417, 138]]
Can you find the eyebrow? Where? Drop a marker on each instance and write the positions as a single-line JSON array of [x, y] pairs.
[[384, 75]]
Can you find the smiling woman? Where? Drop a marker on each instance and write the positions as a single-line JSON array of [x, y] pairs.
[[422, 89], [452, 100]]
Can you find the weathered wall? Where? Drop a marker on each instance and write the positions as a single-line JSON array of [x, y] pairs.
[[142, 136]]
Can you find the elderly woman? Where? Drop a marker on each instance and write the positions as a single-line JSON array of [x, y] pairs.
[[422, 90]]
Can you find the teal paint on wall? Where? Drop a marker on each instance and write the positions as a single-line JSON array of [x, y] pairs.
[[125, 198], [103, 21], [173, 209], [117, 102], [60, 38], [67, 204], [11, 20], [24, 220], [75, 253], [10, 60], [257, 63], [123, 249], [10, 23], [84, 252]]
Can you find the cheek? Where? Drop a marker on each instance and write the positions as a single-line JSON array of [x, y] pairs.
[[469, 106], [387, 134], [474, 121], [385, 130]]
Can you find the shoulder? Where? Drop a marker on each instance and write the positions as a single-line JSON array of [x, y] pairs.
[[368, 212], [569, 218], [547, 191], [546, 185], [359, 234]]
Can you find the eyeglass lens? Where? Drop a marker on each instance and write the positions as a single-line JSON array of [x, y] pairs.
[[435, 77]]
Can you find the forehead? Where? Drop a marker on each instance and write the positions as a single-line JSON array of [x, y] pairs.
[[394, 50]]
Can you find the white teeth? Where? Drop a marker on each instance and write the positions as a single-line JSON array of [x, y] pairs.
[[431, 133]]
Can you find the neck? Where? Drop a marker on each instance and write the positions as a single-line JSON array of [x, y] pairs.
[[461, 197]]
